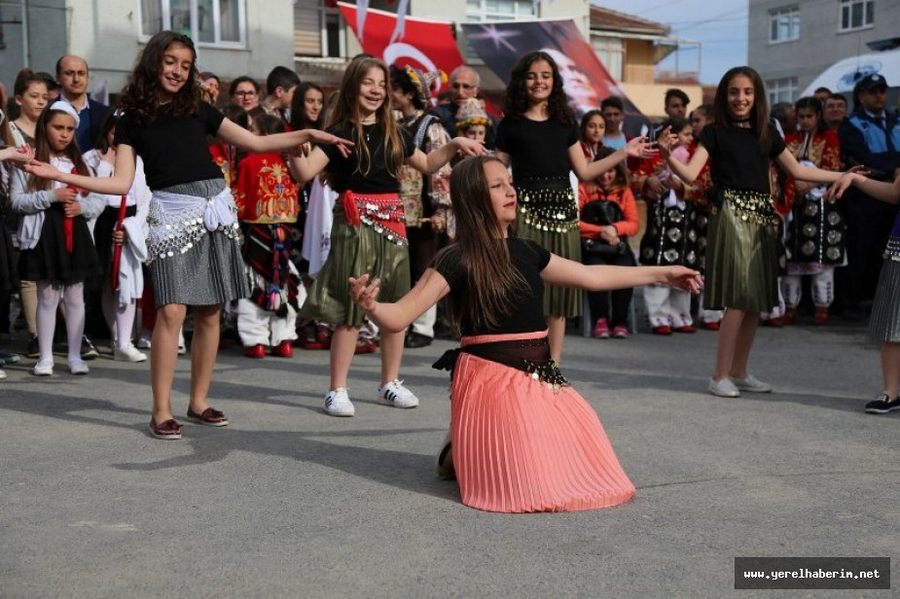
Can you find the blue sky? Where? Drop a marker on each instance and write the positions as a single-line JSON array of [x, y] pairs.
[[720, 25]]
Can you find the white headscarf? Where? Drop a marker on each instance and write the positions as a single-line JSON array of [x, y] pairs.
[[68, 109]]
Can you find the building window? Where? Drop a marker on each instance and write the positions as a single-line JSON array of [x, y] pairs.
[[857, 14], [611, 52], [784, 25], [207, 22], [782, 90], [499, 10], [319, 30]]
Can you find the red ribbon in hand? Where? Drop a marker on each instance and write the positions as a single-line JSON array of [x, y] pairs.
[[68, 223]]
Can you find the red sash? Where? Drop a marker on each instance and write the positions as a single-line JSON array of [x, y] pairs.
[[381, 211]]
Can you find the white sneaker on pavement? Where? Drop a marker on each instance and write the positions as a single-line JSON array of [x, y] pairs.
[[2, 375], [129, 353], [752, 384], [395, 394], [43, 368], [143, 342], [78, 366], [723, 388], [337, 403]]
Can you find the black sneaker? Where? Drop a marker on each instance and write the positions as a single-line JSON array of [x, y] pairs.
[[88, 351], [8, 358], [883, 405], [34, 349], [416, 340]]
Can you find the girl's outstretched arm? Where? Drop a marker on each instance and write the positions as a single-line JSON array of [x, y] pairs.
[[118, 184], [805, 173], [435, 159], [568, 273], [22, 155], [279, 142], [688, 172], [637, 147], [880, 190], [395, 317]]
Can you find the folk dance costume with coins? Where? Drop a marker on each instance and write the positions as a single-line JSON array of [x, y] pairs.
[[815, 228], [368, 234], [671, 238], [546, 202], [267, 199], [742, 260]]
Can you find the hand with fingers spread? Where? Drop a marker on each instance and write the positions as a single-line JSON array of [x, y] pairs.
[[365, 293], [685, 278], [344, 146], [639, 147], [847, 180]]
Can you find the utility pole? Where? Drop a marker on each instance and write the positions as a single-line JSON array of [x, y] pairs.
[[26, 49]]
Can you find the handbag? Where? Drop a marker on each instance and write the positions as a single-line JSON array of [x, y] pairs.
[[602, 213]]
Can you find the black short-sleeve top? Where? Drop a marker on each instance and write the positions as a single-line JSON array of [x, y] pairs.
[[173, 148], [529, 259], [345, 173], [738, 161], [537, 149]]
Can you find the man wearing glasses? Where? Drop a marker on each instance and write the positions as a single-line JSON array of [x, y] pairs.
[[464, 82]]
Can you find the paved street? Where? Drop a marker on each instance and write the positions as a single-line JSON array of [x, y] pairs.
[[289, 502]]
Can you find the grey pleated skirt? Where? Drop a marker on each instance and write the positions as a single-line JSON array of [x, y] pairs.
[[211, 272], [884, 324]]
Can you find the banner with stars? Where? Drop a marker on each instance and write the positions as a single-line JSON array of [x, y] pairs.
[[585, 80]]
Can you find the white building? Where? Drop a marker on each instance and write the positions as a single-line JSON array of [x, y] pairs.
[[234, 37]]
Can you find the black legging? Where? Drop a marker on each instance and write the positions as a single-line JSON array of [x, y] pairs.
[[599, 301]]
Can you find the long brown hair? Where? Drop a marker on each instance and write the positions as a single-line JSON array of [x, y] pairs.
[[493, 283], [42, 150], [140, 95], [346, 110], [759, 117]]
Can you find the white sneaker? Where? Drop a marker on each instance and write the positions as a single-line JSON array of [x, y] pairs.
[[752, 384], [395, 394], [337, 403], [143, 342], [2, 375], [723, 388], [43, 368], [78, 366], [182, 348], [129, 353]]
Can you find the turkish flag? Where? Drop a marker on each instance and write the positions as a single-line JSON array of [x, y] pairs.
[[425, 45]]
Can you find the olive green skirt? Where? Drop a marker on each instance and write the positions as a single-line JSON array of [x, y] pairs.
[[741, 262], [354, 252], [558, 301]]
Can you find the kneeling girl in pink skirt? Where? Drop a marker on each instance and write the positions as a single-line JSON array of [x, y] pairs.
[[522, 439]]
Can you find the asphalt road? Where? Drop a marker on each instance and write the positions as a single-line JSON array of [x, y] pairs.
[[288, 502]]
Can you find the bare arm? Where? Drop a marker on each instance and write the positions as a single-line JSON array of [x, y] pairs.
[[118, 184], [688, 172], [431, 162], [585, 171], [880, 190], [305, 168], [568, 273], [805, 173], [395, 317]]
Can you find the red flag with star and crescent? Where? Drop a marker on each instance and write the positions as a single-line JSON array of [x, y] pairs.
[[424, 44]]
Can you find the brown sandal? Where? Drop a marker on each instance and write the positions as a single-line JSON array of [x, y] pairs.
[[169, 430]]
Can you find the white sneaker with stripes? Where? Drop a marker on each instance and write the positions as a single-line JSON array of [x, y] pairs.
[[337, 403], [396, 395]]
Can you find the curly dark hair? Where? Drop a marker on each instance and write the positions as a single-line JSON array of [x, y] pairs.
[[140, 95], [517, 104]]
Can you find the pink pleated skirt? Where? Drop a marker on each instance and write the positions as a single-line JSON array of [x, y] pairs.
[[519, 446]]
